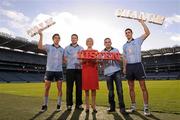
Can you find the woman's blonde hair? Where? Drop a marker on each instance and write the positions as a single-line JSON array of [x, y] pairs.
[[89, 39]]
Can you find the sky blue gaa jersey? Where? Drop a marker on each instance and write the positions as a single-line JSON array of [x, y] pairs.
[[132, 51], [54, 57], [70, 53], [111, 66]]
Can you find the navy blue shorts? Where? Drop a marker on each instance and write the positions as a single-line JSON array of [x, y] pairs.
[[135, 71], [53, 76]]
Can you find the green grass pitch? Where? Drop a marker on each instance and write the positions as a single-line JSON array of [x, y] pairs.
[[164, 95]]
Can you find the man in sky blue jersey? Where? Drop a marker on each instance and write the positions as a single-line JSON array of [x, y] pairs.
[[73, 73], [133, 67], [53, 68], [112, 74]]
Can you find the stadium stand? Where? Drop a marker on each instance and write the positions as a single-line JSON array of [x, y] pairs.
[[22, 61], [162, 63]]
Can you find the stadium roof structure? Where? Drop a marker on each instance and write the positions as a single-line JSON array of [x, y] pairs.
[[162, 51], [18, 43], [22, 44]]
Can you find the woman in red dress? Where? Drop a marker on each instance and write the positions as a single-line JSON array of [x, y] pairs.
[[90, 77]]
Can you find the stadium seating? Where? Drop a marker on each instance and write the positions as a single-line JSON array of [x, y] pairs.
[[12, 76]]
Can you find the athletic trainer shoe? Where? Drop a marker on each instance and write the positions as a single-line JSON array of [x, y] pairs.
[[69, 108], [44, 108], [58, 108], [146, 111], [110, 110], [132, 109], [80, 107]]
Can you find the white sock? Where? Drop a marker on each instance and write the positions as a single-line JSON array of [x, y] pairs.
[[45, 100], [146, 106], [133, 104], [59, 100]]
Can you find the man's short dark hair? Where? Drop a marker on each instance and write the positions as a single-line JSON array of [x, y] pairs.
[[74, 35], [107, 39], [55, 35], [128, 29]]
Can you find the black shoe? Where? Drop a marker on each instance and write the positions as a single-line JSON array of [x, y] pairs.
[[69, 108], [44, 108], [94, 111], [123, 112], [79, 107], [58, 108], [110, 110], [87, 110]]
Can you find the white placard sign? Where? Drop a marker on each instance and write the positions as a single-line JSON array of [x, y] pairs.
[[43, 25], [149, 17]]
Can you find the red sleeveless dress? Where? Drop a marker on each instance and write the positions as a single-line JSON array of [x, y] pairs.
[[90, 74]]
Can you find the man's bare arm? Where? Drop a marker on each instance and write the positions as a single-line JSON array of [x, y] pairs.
[[40, 44], [146, 30]]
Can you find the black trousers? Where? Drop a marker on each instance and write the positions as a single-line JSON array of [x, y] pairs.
[[73, 75]]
